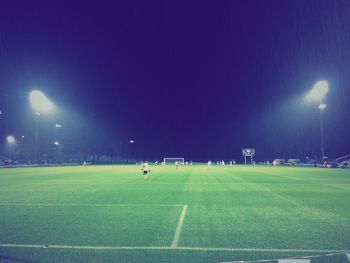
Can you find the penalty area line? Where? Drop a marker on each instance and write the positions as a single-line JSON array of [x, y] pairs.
[[179, 227], [165, 248]]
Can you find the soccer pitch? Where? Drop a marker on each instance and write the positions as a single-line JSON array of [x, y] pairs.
[[193, 214]]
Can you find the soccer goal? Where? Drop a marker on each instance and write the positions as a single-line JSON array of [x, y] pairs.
[[173, 160]]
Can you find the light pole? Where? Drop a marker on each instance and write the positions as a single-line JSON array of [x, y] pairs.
[[57, 142], [317, 93], [11, 142], [131, 142], [41, 105], [321, 107]]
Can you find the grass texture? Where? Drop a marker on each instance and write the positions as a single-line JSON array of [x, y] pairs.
[[193, 214]]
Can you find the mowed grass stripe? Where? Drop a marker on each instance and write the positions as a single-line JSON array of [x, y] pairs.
[[89, 225], [296, 202]]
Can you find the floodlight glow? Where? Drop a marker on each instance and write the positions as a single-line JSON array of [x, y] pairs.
[[318, 92], [40, 103], [56, 143], [10, 139], [58, 125], [322, 106], [131, 141]]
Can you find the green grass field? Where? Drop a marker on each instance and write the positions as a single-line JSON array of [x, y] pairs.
[[194, 214]]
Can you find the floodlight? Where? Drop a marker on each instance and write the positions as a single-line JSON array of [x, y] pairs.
[[131, 141], [318, 92], [56, 143], [40, 103], [322, 106], [10, 139], [58, 125], [22, 136]]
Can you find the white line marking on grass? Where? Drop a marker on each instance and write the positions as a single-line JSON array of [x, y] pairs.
[[256, 249], [179, 227], [92, 205], [137, 182], [294, 260], [48, 246], [319, 255], [85, 184]]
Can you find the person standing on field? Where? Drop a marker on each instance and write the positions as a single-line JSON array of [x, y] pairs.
[[209, 164], [146, 170], [222, 163]]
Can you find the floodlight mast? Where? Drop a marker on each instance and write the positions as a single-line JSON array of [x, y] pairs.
[[41, 105], [11, 141], [317, 93], [321, 107]]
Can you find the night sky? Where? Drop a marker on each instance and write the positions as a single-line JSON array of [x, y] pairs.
[[193, 79]]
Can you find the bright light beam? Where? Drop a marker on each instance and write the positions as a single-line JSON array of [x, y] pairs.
[[318, 92], [39, 102], [10, 139]]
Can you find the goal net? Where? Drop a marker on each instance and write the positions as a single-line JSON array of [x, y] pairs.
[[173, 160]]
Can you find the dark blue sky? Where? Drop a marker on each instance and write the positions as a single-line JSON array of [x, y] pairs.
[[198, 79]]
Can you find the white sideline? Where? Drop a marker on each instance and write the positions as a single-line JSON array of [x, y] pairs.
[[164, 248], [132, 182], [42, 204], [179, 227]]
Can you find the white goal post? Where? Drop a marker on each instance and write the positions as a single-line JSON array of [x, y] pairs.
[[173, 160]]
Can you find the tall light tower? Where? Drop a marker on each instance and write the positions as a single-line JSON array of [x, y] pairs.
[[41, 105], [317, 93], [58, 139], [11, 141]]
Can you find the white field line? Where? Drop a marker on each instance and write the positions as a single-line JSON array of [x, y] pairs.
[[135, 182], [166, 248], [92, 205], [298, 260], [179, 227], [324, 254]]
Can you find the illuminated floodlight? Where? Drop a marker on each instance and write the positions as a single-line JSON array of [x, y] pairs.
[[322, 106], [39, 102], [56, 143], [22, 136], [131, 141], [58, 125], [10, 139], [318, 92]]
